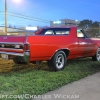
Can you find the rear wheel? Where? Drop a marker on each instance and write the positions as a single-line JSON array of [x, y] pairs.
[[96, 57], [58, 61]]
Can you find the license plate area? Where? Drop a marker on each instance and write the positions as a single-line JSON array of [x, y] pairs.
[[4, 56]]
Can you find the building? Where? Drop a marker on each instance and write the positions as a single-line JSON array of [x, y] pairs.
[[18, 31], [2, 30], [64, 22]]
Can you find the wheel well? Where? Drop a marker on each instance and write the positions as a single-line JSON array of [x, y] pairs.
[[66, 51]]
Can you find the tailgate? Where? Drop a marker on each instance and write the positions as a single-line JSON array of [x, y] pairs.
[[12, 44]]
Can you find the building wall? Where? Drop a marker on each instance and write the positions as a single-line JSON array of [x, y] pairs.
[[64, 22], [2, 30], [16, 31]]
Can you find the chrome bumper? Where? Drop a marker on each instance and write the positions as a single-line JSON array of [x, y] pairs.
[[12, 53], [25, 56]]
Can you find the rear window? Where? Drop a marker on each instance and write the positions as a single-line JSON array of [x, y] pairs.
[[63, 32], [56, 31], [49, 32]]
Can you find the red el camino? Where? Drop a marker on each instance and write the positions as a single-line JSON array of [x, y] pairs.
[[55, 45]]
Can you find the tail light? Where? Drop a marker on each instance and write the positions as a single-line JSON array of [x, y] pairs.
[[26, 47]]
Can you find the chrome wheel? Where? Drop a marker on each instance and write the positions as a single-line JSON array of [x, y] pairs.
[[60, 61], [98, 55]]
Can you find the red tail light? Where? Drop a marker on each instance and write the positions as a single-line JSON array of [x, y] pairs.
[[26, 47]]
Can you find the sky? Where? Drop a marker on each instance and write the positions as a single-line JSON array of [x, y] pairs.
[[41, 12]]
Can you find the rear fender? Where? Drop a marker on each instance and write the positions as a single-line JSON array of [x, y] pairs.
[[67, 51]]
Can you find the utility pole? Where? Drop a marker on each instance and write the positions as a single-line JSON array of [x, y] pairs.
[[5, 17]]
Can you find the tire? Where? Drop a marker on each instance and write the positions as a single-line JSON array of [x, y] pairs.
[[58, 61], [96, 57]]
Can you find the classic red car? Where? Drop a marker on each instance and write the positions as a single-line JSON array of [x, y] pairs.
[[54, 45]]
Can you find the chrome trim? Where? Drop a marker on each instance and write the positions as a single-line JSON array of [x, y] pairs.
[[22, 56], [12, 53], [12, 43], [12, 49]]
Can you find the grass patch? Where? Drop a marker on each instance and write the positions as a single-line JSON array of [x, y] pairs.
[[39, 79]]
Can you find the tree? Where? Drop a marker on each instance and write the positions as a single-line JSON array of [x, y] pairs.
[[85, 23], [92, 28], [95, 24], [95, 28]]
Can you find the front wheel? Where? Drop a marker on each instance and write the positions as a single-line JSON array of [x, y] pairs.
[[96, 57], [58, 61]]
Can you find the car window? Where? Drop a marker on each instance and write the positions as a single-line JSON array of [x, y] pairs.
[[62, 32], [80, 34], [55, 31], [49, 32]]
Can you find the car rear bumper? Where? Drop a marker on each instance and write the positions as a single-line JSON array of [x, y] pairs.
[[24, 56]]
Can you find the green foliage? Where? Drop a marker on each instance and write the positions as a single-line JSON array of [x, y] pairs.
[[35, 80], [85, 23], [92, 28]]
